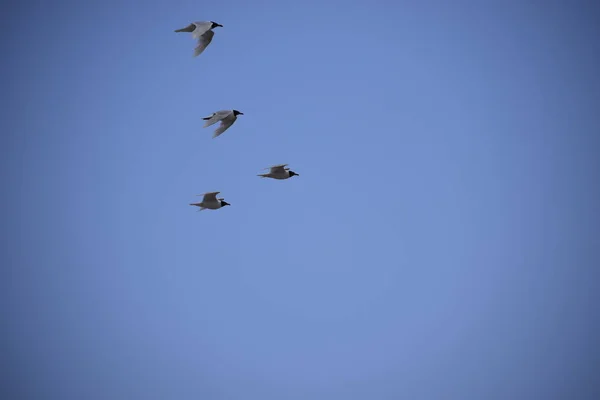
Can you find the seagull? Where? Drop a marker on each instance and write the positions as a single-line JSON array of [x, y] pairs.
[[227, 118], [210, 201], [279, 172], [201, 30]]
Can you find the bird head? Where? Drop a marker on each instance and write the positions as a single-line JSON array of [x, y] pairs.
[[214, 25], [292, 173], [224, 203], [236, 112]]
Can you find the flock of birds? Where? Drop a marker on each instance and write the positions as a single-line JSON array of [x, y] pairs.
[[202, 31]]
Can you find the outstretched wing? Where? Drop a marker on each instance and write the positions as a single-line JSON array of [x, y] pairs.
[[277, 169], [209, 197], [216, 117], [225, 124], [203, 41]]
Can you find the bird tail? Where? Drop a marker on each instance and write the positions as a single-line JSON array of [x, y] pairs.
[[198, 205]]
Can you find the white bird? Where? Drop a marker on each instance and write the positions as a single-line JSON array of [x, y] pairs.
[[210, 201], [279, 172], [203, 32], [227, 118]]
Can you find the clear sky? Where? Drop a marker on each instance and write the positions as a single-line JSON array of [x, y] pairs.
[[441, 241]]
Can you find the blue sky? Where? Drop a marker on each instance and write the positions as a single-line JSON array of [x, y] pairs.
[[441, 241]]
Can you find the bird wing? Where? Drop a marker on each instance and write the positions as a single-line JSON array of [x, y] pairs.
[[216, 117], [201, 28], [225, 124], [275, 169], [203, 41], [209, 197]]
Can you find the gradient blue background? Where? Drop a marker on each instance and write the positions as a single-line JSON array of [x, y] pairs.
[[442, 241]]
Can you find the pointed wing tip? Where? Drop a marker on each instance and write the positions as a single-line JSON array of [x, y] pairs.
[[218, 132]]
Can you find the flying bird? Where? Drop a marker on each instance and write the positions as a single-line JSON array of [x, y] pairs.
[[210, 201], [227, 118], [203, 32], [279, 172]]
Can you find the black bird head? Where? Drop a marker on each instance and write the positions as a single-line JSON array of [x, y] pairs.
[[292, 173], [236, 112], [224, 203], [214, 25]]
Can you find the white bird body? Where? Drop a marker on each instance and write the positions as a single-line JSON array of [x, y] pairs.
[[227, 118], [279, 172], [200, 28], [210, 201]]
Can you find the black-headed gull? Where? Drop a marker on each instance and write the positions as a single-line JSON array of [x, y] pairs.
[[210, 201], [279, 172], [227, 118], [203, 31]]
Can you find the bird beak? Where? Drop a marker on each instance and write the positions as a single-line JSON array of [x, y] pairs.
[[220, 25], [241, 113]]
